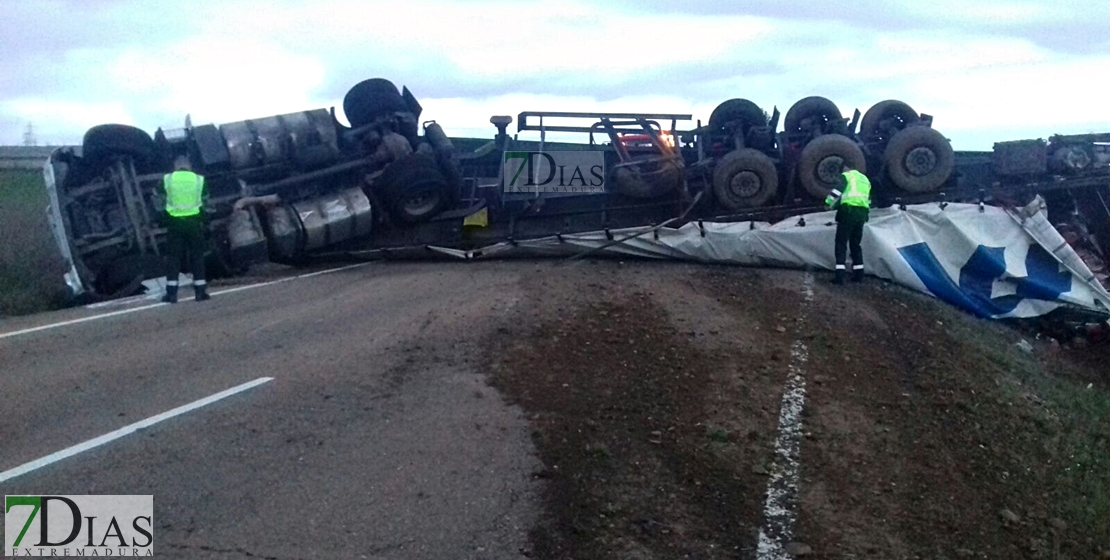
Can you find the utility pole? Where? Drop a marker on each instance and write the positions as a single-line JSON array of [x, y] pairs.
[[29, 136]]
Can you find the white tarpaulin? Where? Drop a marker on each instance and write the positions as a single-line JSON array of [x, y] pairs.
[[988, 261]]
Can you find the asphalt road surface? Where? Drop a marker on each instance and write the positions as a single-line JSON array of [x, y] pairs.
[[663, 416], [378, 436]]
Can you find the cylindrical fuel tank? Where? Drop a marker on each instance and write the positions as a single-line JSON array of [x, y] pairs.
[[245, 237], [307, 139], [310, 224]]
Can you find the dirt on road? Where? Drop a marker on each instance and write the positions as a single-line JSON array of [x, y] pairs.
[[654, 389], [649, 397]]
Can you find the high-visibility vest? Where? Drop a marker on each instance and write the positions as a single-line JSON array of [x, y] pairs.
[[184, 191], [856, 193]]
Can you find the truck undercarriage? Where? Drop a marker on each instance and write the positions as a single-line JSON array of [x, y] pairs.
[[302, 186]]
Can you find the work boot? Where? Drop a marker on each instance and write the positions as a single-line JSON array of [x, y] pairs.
[[202, 292], [171, 295], [840, 276], [857, 275]]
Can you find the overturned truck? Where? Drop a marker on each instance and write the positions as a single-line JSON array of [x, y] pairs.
[[303, 186]]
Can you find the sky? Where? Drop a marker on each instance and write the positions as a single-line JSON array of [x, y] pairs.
[[987, 70]]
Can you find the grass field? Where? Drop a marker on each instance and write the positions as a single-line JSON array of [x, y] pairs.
[[30, 266]]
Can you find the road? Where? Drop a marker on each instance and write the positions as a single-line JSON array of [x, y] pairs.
[[377, 438], [594, 410]]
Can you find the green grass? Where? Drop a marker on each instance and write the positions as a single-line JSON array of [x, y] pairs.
[[1072, 420], [600, 451], [30, 266], [1080, 438], [719, 435]]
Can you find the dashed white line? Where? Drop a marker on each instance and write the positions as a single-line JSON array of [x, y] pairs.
[[81, 320], [780, 506], [126, 430], [153, 305]]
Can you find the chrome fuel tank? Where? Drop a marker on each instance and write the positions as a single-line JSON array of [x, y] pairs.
[[307, 139], [311, 224]]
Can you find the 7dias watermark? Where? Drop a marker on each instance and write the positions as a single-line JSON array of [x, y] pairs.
[[82, 526], [554, 172]]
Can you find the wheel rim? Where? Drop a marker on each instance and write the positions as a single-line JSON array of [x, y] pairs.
[[745, 184], [921, 161], [420, 204], [828, 169], [1076, 158]]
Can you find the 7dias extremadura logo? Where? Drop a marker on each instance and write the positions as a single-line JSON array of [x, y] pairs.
[[89, 526], [554, 172]]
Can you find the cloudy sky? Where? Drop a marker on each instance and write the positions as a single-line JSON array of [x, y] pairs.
[[987, 70]]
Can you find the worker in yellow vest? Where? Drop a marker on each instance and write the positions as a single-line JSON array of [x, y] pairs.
[[852, 205], [185, 228]]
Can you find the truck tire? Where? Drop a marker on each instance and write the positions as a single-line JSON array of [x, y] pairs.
[[107, 140], [371, 98], [420, 203], [653, 179], [79, 172], [814, 107], [414, 189], [745, 178], [820, 162], [737, 110], [901, 113], [919, 159], [1071, 158], [452, 175]]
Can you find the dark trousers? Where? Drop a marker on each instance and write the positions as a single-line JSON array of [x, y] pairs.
[[185, 239], [849, 234]]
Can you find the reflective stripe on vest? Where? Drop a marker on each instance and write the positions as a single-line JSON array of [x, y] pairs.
[[184, 191], [858, 191]]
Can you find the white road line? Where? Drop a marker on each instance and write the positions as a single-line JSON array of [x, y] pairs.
[[119, 302], [126, 430], [81, 320], [780, 507], [159, 304]]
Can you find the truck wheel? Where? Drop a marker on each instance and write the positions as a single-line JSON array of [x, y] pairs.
[[919, 159], [414, 188], [106, 140], [821, 160], [648, 179], [812, 108], [1072, 158], [895, 113], [452, 175], [745, 178], [79, 172], [420, 203], [371, 98], [739, 111]]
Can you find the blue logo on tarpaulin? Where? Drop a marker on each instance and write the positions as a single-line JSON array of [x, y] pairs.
[[987, 264]]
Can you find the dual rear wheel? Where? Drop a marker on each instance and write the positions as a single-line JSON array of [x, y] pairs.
[[918, 159], [745, 178], [819, 167]]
